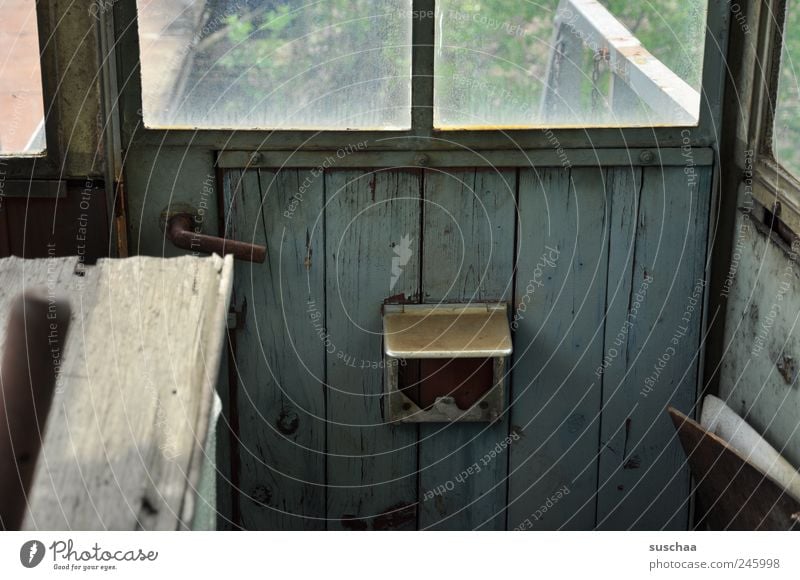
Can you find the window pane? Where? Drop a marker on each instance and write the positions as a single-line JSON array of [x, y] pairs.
[[252, 64], [513, 63], [22, 126], [786, 133]]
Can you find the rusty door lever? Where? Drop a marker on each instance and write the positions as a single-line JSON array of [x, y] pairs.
[[181, 232]]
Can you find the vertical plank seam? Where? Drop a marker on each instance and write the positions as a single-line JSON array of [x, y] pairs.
[[234, 461], [636, 216], [635, 241], [699, 387], [233, 427], [609, 207], [420, 299], [609, 221], [221, 176], [695, 192], [510, 377], [706, 242], [324, 235], [261, 197], [260, 341]]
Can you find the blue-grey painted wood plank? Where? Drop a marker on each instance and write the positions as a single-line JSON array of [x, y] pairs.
[[227, 445], [224, 441], [372, 466], [623, 302], [469, 221], [644, 480], [280, 358], [560, 302]]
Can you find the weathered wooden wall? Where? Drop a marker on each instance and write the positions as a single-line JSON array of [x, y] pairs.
[[758, 375], [599, 264]]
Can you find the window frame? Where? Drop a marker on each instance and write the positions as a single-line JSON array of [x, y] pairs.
[[774, 186], [69, 67], [37, 165], [422, 136]]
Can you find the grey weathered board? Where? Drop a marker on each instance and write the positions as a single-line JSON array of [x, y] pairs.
[[126, 440], [555, 396], [372, 466], [280, 360], [479, 236], [643, 476], [468, 256]]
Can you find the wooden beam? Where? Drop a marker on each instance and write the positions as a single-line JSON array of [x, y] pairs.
[[555, 154], [654, 82]]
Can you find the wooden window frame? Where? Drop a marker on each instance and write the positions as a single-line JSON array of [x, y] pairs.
[[774, 186], [423, 139], [21, 165], [69, 55]]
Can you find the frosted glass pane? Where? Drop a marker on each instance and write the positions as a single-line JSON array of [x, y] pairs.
[[512, 63], [21, 105], [259, 64], [786, 132]]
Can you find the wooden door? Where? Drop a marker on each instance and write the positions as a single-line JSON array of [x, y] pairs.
[[604, 269]]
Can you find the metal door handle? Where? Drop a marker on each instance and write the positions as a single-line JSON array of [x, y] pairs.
[[180, 231]]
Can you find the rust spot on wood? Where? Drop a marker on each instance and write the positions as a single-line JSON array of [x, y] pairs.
[[241, 317], [396, 299], [625, 444], [287, 422], [351, 522], [440, 507], [396, 517], [787, 367], [309, 251], [632, 463], [261, 495], [372, 187]]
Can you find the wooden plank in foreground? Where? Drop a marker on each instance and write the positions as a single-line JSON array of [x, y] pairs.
[[126, 437], [733, 493]]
